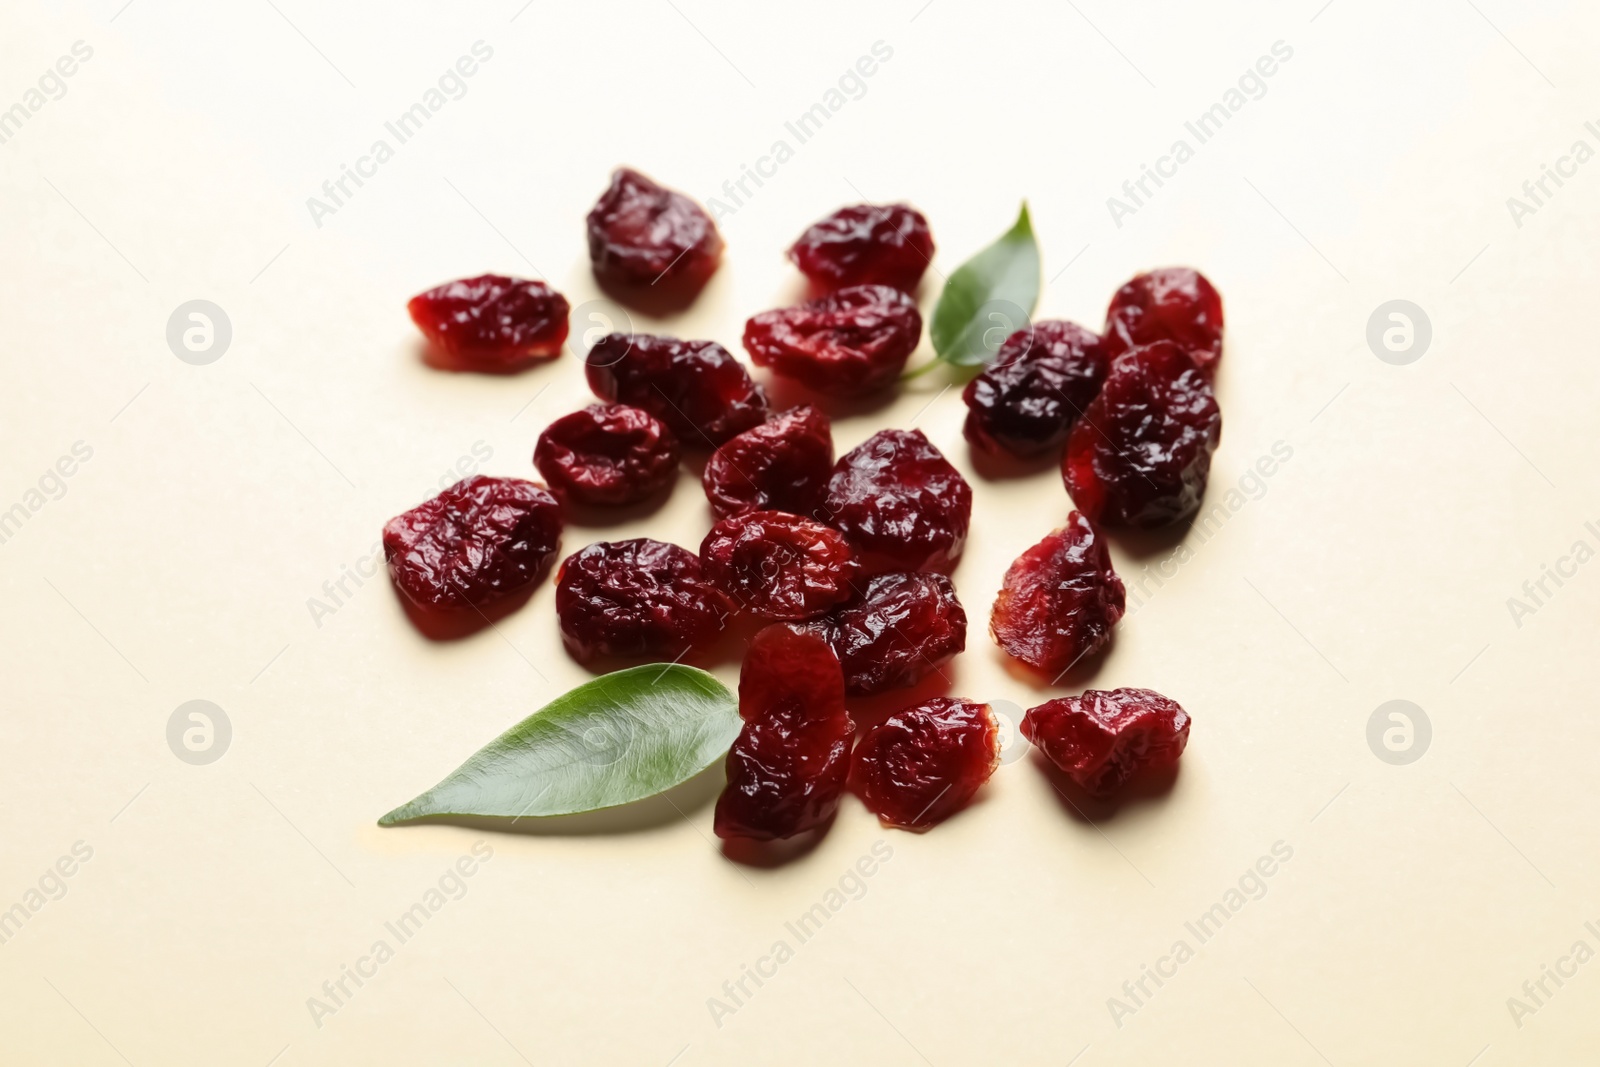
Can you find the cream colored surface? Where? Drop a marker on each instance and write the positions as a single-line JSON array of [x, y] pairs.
[[179, 563]]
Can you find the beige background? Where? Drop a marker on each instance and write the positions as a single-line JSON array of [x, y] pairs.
[[1376, 565]]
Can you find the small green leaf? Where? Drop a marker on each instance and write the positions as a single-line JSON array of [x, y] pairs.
[[988, 298], [620, 738]]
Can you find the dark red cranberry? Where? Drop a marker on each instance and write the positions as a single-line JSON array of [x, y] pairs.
[[900, 502], [903, 628], [1103, 739], [787, 768], [866, 245], [492, 323], [781, 465], [1060, 599], [643, 236], [607, 454], [849, 343], [1141, 454], [1171, 304], [697, 388], [774, 565], [1041, 380], [481, 540], [638, 599], [924, 764]]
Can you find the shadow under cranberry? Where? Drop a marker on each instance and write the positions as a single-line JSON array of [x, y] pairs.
[[438, 359], [1076, 676], [453, 625], [785, 393], [669, 296], [997, 466], [869, 711], [1144, 787], [600, 516], [771, 854]]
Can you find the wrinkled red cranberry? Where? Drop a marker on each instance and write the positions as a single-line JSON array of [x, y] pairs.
[[900, 502], [787, 768], [697, 388], [491, 322], [866, 245], [607, 454], [645, 236], [1060, 599], [925, 763], [845, 344], [781, 465], [1102, 739], [903, 628], [774, 565], [1171, 304], [639, 599], [1041, 380], [1141, 454], [479, 541]]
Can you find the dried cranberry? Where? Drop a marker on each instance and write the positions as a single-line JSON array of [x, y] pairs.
[[846, 344], [1171, 304], [1102, 739], [638, 599], [1041, 380], [481, 540], [900, 502], [1141, 454], [607, 454], [696, 387], [866, 245], [900, 630], [492, 323], [923, 764], [645, 236], [779, 566], [1060, 599], [781, 465], [787, 768]]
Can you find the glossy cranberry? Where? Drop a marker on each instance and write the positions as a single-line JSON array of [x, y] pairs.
[[924, 764], [900, 630], [1060, 599], [479, 541], [1141, 454], [846, 344], [491, 322], [1041, 381], [697, 388], [774, 565], [607, 454], [866, 245], [900, 502], [1171, 304], [787, 768], [1103, 739], [643, 236], [782, 465], [638, 599]]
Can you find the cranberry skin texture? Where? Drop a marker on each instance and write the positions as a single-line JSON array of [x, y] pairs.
[[638, 599], [900, 502], [645, 235], [1170, 304], [491, 322], [1141, 454], [846, 344], [1060, 599], [697, 388], [787, 768], [607, 454], [774, 565], [481, 540], [782, 465], [866, 245], [1042, 379], [903, 628], [1102, 739], [925, 763]]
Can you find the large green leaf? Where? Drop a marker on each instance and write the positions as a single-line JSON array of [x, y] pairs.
[[620, 738], [989, 297]]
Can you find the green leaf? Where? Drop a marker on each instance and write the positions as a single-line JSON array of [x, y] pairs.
[[988, 298], [620, 738]]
